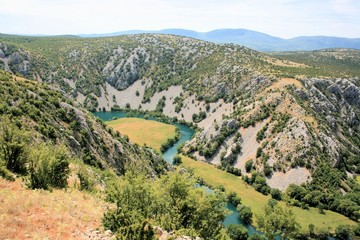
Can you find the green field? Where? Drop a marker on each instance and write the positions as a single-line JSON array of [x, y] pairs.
[[142, 131], [215, 177]]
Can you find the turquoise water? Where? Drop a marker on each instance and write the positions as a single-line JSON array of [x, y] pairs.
[[186, 135], [185, 131], [232, 217]]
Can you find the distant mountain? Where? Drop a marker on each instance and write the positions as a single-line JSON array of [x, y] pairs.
[[252, 39]]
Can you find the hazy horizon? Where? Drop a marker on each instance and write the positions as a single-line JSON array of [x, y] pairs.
[[280, 18]]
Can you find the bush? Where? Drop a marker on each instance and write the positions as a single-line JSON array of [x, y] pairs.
[[248, 165], [275, 193], [261, 134], [177, 160], [6, 174], [170, 202], [257, 237], [13, 142], [245, 214], [267, 170], [237, 232], [234, 199], [343, 232], [86, 180], [48, 166]]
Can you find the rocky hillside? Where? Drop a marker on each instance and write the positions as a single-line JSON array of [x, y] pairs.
[[288, 116], [93, 70], [52, 117]]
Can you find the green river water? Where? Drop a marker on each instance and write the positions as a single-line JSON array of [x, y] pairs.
[[186, 134]]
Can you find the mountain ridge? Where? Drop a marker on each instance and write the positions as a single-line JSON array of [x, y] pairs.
[[252, 39], [249, 38]]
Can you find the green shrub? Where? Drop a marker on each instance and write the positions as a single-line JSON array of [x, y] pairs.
[[177, 160], [343, 232], [48, 166], [5, 173], [275, 193], [234, 199], [249, 165], [245, 214], [87, 181], [171, 202], [257, 237], [237, 232], [13, 142]]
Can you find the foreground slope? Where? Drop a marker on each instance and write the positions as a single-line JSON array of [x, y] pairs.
[[57, 215]]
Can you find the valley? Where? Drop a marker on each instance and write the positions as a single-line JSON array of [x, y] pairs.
[[283, 126], [257, 201], [215, 177]]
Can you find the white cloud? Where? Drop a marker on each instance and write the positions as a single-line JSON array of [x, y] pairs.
[[278, 17], [345, 6]]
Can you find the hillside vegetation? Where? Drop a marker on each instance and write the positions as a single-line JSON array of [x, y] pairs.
[[83, 66], [36, 152], [286, 121], [37, 110], [257, 201]]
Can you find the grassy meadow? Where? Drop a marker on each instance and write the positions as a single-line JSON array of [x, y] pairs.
[[249, 197], [144, 132]]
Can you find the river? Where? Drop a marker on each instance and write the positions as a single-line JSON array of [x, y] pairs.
[[186, 134]]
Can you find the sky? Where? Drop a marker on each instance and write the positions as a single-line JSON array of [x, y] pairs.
[[281, 18]]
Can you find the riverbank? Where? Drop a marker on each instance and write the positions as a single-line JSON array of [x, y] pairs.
[[257, 201]]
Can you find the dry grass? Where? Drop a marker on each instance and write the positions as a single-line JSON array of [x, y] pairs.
[[142, 131], [37, 214]]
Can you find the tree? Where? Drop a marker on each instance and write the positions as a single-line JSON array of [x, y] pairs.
[[245, 214], [177, 160], [272, 202], [207, 107], [234, 198], [248, 165], [257, 237], [357, 230], [311, 229], [275, 193], [343, 232], [48, 166], [277, 221], [171, 202], [13, 146], [237, 232]]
